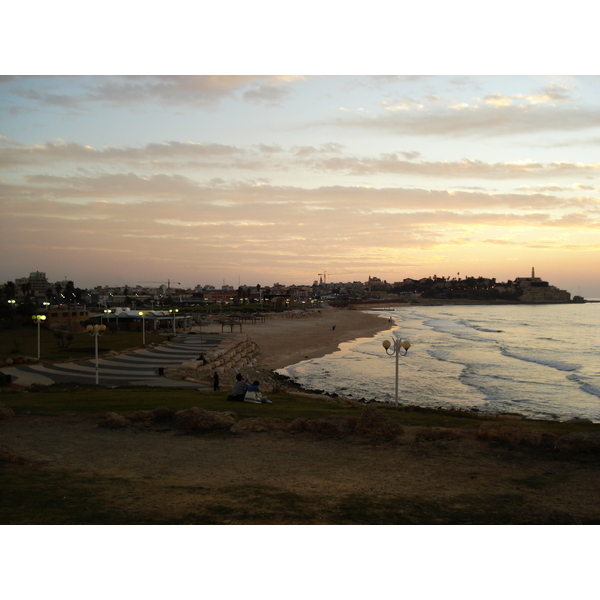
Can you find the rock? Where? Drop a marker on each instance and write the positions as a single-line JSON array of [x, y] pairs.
[[8, 455], [298, 425], [258, 425], [538, 515], [333, 426], [579, 441], [162, 414], [114, 420], [494, 432], [374, 424], [139, 415], [6, 412], [198, 419]]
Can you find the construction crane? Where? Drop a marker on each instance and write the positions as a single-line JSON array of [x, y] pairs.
[[168, 282], [324, 275]]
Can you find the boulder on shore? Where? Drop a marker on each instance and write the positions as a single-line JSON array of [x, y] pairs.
[[6, 412], [374, 424], [333, 426], [158, 415], [198, 419], [113, 420], [579, 441]]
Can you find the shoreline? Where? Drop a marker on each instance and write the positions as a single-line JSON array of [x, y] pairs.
[[290, 338]]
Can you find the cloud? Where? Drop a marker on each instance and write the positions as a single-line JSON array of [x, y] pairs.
[[263, 158], [167, 90], [499, 119]]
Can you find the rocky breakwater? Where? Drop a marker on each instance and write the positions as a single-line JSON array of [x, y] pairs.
[[235, 354]]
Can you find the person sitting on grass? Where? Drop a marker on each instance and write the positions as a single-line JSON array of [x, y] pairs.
[[239, 389], [254, 395]]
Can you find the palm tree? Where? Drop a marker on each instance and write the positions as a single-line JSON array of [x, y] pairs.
[[26, 289], [69, 291], [58, 289], [10, 290]]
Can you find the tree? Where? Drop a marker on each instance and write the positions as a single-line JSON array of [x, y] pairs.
[[9, 290], [26, 288], [70, 292], [58, 289]]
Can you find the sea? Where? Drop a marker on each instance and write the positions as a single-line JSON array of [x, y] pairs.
[[541, 361]]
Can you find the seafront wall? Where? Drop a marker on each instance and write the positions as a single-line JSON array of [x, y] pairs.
[[235, 354]]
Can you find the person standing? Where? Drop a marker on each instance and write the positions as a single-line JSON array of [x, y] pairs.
[[216, 382]]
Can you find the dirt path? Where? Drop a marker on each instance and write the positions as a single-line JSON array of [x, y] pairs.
[[160, 475]]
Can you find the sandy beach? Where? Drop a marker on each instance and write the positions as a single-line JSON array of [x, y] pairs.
[[288, 339]]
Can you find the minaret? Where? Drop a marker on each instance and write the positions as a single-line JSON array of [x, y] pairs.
[[532, 272]]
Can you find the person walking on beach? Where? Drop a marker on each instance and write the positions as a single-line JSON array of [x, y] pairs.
[[216, 382]]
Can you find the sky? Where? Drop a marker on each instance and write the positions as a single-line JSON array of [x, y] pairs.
[[235, 178]]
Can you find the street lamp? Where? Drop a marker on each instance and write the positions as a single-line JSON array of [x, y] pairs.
[[397, 346], [173, 311], [95, 331], [39, 319], [143, 315]]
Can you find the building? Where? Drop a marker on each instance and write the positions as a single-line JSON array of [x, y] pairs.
[[71, 319], [38, 281], [537, 291]]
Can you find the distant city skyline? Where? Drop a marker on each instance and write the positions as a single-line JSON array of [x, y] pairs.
[[262, 179]]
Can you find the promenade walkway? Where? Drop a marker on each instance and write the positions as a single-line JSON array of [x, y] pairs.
[[134, 368]]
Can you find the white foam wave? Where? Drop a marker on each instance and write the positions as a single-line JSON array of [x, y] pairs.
[[552, 363]]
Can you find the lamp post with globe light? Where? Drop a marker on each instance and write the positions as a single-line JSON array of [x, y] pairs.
[[143, 315], [95, 331], [173, 312], [39, 319], [397, 346]]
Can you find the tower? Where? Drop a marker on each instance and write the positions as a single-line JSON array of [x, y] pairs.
[[532, 272]]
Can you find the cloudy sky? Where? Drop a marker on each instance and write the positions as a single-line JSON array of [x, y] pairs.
[[259, 179]]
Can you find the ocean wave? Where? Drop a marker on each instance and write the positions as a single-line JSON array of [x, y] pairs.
[[584, 386], [559, 365]]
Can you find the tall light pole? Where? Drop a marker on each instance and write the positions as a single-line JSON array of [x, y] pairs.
[[398, 346], [173, 311], [39, 319], [143, 315], [95, 331]]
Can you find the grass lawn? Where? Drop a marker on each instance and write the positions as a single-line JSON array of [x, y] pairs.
[[23, 341]]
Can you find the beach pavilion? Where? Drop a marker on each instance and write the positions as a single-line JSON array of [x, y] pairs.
[[152, 320]]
